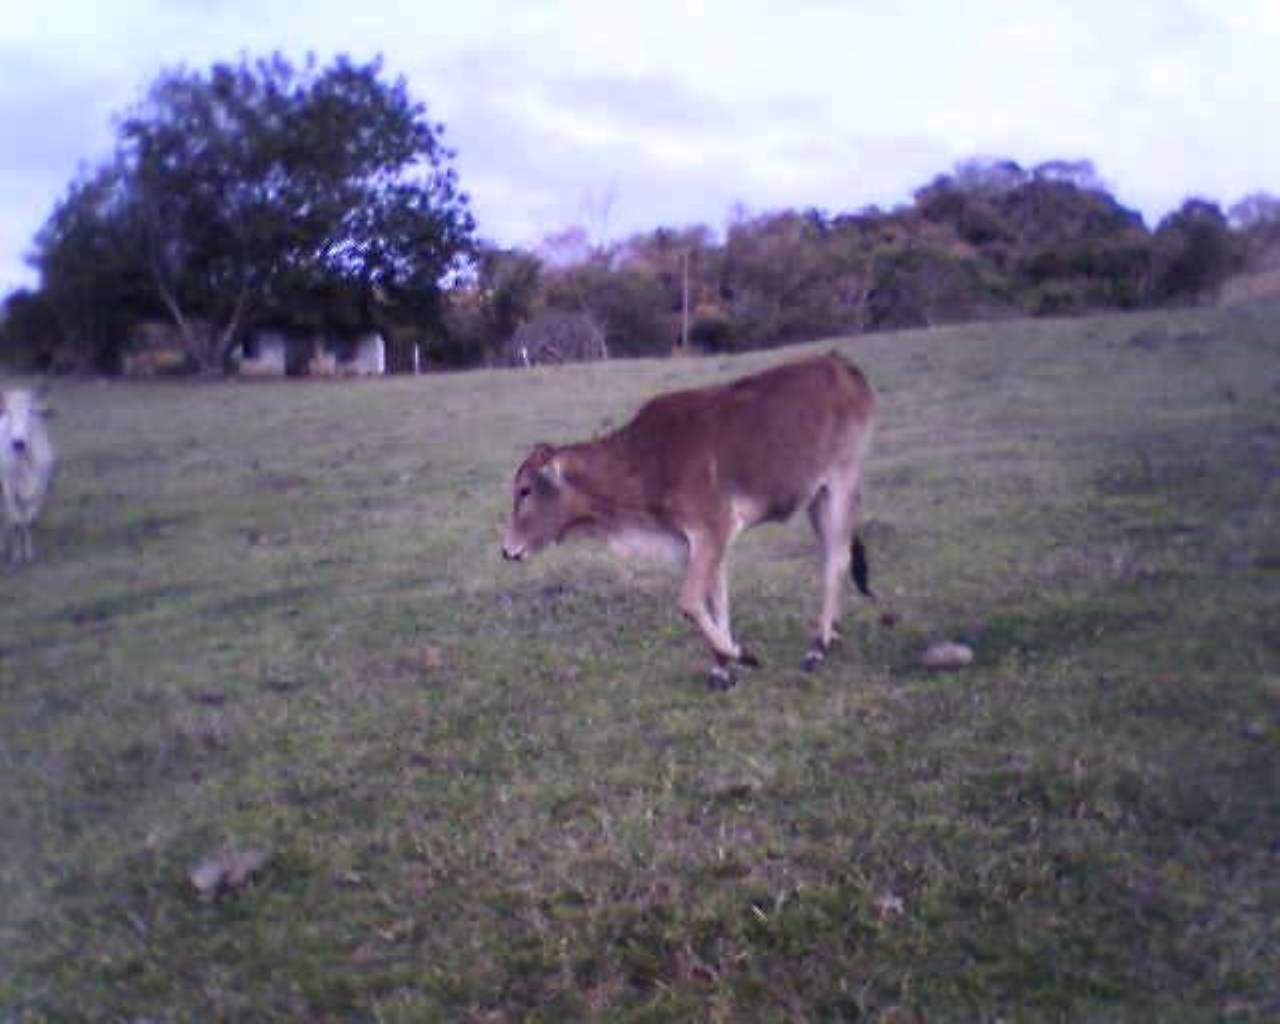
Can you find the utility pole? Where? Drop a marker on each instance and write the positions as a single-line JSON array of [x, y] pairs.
[[684, 302]]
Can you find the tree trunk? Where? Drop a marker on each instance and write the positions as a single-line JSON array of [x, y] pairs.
[[190, 343], [208, 346], [227, 337]]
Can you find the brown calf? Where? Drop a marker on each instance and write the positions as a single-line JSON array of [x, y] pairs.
[[695, 468]]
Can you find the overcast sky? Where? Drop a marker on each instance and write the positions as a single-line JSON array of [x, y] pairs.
[[622, 117]]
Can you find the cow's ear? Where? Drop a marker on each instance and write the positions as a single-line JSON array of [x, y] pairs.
[[542, 456], [553, 472]]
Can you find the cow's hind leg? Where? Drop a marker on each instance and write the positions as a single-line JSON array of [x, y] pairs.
[[9, 526], [834, 518], [718, 606], [18, 547]]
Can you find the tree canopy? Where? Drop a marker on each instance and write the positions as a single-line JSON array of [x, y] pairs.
[[264, 192]]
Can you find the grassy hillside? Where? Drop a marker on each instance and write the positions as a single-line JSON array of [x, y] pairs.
[[273, 617]]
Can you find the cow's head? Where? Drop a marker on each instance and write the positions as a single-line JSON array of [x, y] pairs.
[[544, 505], [19, 411]]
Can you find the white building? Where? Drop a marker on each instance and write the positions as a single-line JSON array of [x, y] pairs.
[[274, 354]]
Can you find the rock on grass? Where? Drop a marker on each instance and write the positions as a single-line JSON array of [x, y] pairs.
[[227, 872], [947, 656]]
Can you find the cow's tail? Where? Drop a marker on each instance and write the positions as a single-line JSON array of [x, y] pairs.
[[859, 569]]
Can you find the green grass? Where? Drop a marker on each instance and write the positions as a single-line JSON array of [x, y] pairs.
[[273, 616]]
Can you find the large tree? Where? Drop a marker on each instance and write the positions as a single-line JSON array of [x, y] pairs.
[[257, 190]]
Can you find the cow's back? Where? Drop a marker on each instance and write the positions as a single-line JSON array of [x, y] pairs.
[[770, 437]]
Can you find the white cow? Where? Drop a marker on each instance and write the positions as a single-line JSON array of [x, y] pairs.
[[26, 465]]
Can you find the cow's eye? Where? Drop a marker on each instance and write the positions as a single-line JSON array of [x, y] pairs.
[[523, 492]]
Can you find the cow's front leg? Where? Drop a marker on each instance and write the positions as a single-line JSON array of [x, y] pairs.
[[704, 599]]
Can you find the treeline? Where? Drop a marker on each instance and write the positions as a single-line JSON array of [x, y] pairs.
[[322, 200], [991, 239]]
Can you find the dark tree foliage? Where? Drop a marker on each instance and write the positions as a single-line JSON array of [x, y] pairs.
[[92, 282], [789, 276], [921, 286], [1060, 240], [503, 290], [509, 282], [31, 337], [258, 190], [1255, 221], [630, 303], [1194, 252]]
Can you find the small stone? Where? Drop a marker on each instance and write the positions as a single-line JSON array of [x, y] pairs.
[[206, 878], [888, 905], [226, 872], [947, 656]]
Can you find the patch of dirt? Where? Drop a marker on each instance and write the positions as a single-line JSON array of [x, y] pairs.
[[1152, 339], [280, 483]]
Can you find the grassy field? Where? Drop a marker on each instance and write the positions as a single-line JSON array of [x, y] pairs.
[[273, 617]]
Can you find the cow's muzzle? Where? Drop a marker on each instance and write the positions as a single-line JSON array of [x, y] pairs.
[[513, 556]]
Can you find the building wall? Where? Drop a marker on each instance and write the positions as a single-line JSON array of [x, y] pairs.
[[369, 358], [266, 355]]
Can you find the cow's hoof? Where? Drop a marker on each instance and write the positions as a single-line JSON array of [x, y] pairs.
[[748, 659], [813, 659], [721, 678]]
